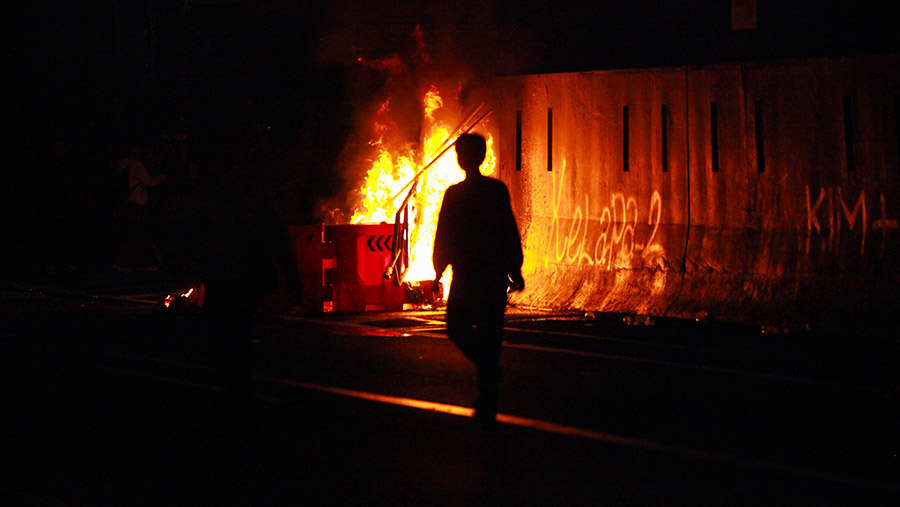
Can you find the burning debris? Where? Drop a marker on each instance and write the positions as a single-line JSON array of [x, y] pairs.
[[398, 165], [401, 180], [399, 188], [188, 299], [396, 214]]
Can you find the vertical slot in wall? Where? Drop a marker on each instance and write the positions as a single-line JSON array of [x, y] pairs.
[[760, 137], [714, 135], [625, 167], [550, 139], [519, 140], [665, 138]]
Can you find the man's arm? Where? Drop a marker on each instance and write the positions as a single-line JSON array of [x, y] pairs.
[[513, 244], [144, 176]]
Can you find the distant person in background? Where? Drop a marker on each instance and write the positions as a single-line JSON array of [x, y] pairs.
[[136, 249], [477, 234], [140, 182]]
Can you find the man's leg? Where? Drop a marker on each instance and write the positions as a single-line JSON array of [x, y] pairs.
[[461, 332], [490, 342], [475, 316]]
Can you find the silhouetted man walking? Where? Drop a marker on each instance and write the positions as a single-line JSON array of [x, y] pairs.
[[246, 251], [478, 236]]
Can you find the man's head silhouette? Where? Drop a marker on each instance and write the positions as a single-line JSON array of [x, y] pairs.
[[470, 151]]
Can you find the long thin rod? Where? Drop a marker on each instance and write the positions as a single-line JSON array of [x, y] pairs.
[[460, 125], [441, 154]]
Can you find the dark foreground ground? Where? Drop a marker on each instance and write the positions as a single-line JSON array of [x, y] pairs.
[[113, 401]]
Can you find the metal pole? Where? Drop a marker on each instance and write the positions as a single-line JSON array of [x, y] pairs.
[[439, 155]]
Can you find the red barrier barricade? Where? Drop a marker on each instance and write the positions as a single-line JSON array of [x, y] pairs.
[[342, 268]]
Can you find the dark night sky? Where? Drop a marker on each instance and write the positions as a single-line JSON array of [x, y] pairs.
[[95, 71], [155, 60]]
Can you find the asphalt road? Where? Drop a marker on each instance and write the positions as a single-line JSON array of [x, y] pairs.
[[112, 400]]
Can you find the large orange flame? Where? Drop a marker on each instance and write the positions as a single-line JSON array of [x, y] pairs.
[[388, 181]]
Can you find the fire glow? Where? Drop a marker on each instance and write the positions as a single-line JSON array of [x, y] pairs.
[[192, 297], [394, 174]]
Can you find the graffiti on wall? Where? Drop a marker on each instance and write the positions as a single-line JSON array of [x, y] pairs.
[[609, 241], [831, 212]]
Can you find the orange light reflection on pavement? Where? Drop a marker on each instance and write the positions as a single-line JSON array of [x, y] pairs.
[[380, 398]]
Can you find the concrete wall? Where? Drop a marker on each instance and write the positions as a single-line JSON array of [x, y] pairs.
[[802, 232]]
